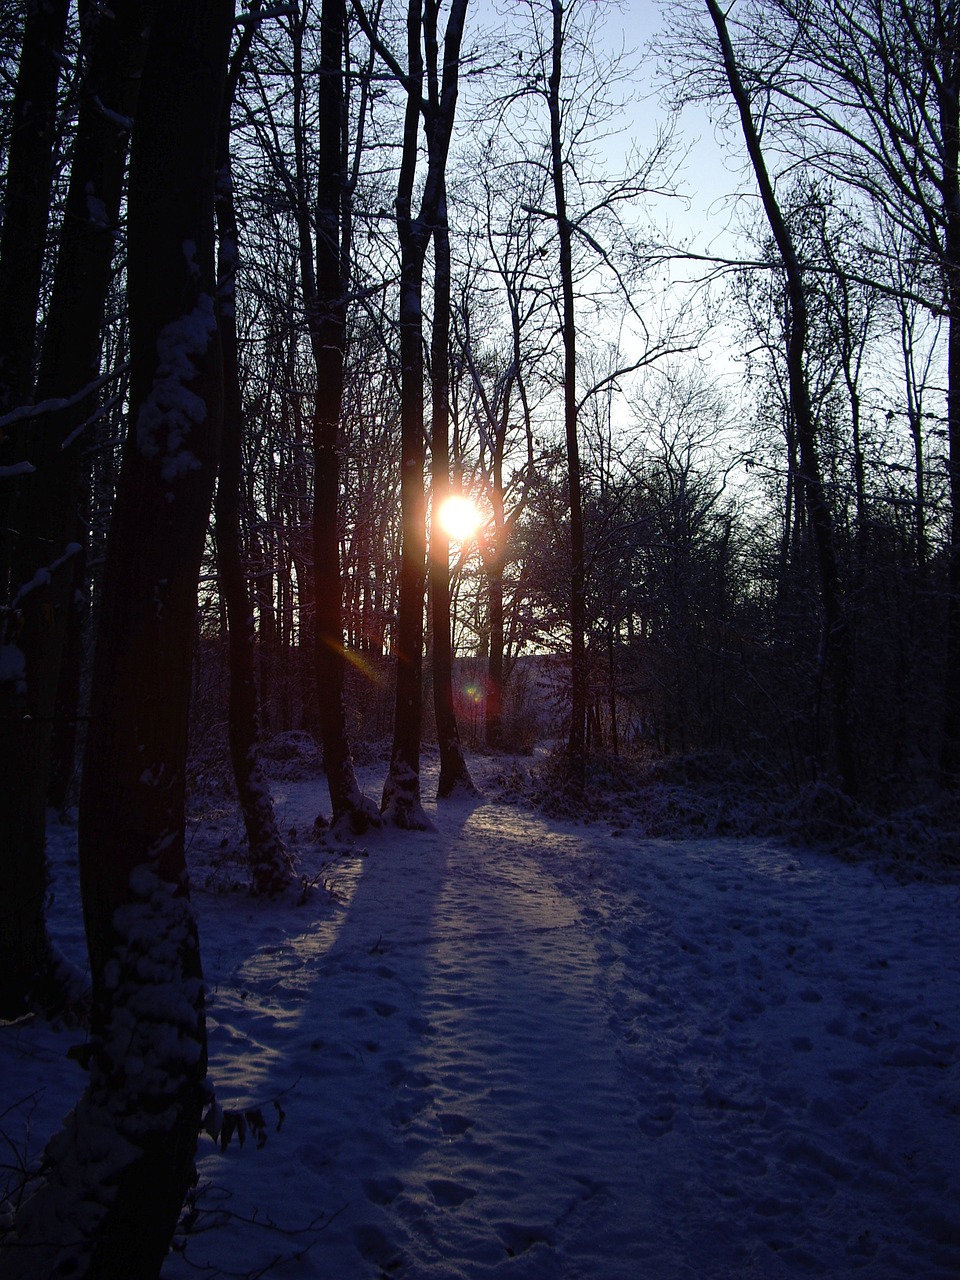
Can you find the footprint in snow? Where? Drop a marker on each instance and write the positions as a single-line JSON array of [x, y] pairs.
[[453, 1125], [449, 1195]]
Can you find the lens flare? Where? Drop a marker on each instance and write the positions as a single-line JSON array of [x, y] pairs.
[[459, 518]]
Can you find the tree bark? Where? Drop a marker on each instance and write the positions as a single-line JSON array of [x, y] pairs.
[[454, 773], [46, 560], [495, 665], [576, 743], [401, 804], [29, 973], [835, 638], [26, 207], [270, 864], [949, 110], [327, 318], [115, 1177]]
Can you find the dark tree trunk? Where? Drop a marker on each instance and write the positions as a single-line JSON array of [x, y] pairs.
[[950, 750], [576, 745], [47, 500], [494, 549], [495, 553], [327, 317], [271, 867], [949, 104], [401, 803], [454, 774], [494, 707], [28, 969], [61, 792], [115, 1178], [837, 660], [26, 206]]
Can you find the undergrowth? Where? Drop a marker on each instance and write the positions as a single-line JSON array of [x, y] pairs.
[[710, 795]]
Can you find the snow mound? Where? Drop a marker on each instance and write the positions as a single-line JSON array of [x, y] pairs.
[[290, 756]]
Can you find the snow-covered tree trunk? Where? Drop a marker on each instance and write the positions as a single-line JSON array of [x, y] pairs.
[[114, 1178]]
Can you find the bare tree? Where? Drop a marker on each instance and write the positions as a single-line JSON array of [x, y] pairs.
[[47, 556], [576, 745], [328, 326], [454, 773], [270, 863], [835, 631], [869, 94], [114, 1179], [401, 803], [26, 207], [27, 966]]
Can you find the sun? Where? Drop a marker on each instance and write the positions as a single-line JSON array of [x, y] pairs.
[[459, 518]]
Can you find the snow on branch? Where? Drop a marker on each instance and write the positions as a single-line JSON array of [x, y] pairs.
[[57, 405], [122, 122], [43, 575], [17, 469]]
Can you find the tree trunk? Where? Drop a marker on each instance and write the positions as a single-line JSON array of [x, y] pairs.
[[270, 864], [26, 207], [950, 750], [46, 558], [454, 774], [115, 1178], [401, 803], [29, 972], [494, 702], [950, 128], [576, 745], [836, 658], [327, 319]]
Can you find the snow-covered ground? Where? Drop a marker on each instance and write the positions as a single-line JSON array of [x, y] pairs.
[[518, 1047]]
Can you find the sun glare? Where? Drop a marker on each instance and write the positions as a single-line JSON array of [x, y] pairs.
[[459, 518]]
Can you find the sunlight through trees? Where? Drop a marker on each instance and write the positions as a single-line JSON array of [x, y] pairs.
[[508, 452]]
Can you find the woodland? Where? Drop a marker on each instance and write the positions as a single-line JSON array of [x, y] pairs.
[[279, 280]]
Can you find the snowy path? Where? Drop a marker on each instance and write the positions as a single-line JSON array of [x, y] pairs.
[[522, 1048], [518, 1050], [473, 1116]]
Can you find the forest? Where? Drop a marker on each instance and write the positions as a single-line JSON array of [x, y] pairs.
[[281, 280]]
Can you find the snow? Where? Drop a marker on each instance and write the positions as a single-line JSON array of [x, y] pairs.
[[124, 123], [17, 469], [172, 410], [13, 666], [96, 209], [516, 1046], [44, 575]]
